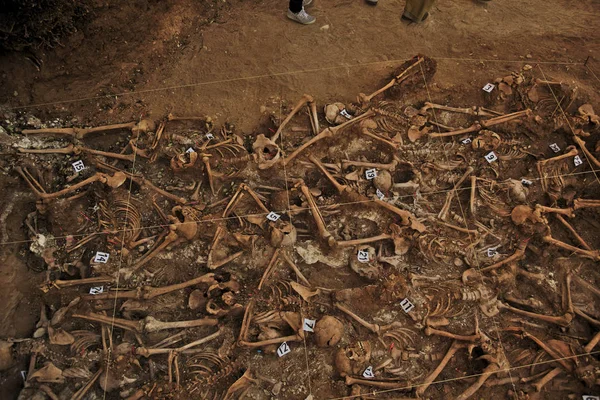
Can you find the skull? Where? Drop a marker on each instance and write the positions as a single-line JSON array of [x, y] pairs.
[[267, 152]]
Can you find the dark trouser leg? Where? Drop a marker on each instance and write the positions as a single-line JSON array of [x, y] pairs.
[[415, 10], [295, 6]]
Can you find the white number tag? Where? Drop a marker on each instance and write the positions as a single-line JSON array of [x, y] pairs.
[[370, 173], [97, 290], [210, 136], [344, 113], [555, 147], [406, 305], [101, 257], [273, 216], [363, 256], [368, 373], [491, 157], [577, 161], [380, 194], [491, 252], [309, 325], [526, 182], [466, 141], [190, 150], [78, 166], [489, 87], [588, 397], [24, 375], [283, 349]]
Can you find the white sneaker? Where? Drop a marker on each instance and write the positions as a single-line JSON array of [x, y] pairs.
[[302, 17]]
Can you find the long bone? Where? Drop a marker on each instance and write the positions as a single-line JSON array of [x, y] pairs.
[[518, 255], [465, 338], [149, 292], [60, 284], [585, 150], [365, 128], [171, 237], [148, 352], [318, 217], [585, 203], [306, 99], [479, 111], [80, 394], [443, 215], [456, 345], [571, 152], [143, 182], [568, 212], [407, 217], [71, 149], [243, 188], [483, 124], [379, 384], [146, 325], [562, 320], [377, 329], [547, 378], [593, 254], [390, 167], [551, 352], [79, 133], [213, 264], [490, 370], [573, 232], [325, 133], [113, 181], [396, 80]]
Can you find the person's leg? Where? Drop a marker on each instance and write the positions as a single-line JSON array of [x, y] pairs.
[[295, 6], [296, 13], [417, 10]]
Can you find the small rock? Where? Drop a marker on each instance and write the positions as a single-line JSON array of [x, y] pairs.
[[263, 109], [34, 121], [529, 56], [527, 67], [15, 93], [277, 388], [324, 28]]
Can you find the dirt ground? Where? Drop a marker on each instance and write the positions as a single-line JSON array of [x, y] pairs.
[[242, 62]]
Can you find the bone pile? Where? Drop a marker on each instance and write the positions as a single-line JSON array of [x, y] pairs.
[[389, 248]]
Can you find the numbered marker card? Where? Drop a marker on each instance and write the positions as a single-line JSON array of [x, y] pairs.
[[97, 290], [406, 305], [309, 325], [380, 194], [210, 136], [344, 113], [363, 256], [555, 147], [491, 252], [283, 349], [368, 373], [466, 141], [273, 216], [371, 173], [101, 257], [78, 166], [577, 161], [491, 157], [588, 397], [489, 87], [526, 182], [190, 150]]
